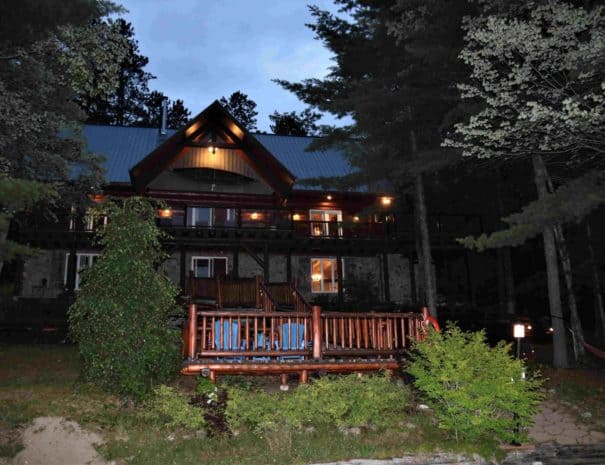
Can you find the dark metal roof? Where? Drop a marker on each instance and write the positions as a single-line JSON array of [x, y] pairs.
[[124, 147]]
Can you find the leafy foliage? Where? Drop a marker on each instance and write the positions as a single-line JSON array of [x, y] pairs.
[[343, 401], [172, 410], [119, 319], [476, 391], [539, 75], [17, 195], [242, 108]]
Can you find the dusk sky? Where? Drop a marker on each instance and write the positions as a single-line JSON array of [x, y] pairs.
[[205, 49]]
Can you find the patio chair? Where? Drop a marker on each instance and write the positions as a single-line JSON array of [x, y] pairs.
[[230, 336], [292, 338], [264, 343]]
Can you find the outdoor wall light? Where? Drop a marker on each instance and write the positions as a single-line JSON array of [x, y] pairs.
[[296, 217], [329, 197], [386, 201], [254, 216], [355, 219], [165, 213]]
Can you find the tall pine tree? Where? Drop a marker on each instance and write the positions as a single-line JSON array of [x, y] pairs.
[[394, 65]]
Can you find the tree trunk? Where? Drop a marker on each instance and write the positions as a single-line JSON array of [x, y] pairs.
[[576, 324], [596, 283], [552, 274], [504, 258], [429, 277], [420, 283], [3, 235], [509, 281]]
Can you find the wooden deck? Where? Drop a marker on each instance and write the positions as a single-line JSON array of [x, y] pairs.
[[261, 342]]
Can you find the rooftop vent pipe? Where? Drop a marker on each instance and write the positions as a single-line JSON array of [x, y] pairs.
[[164, 116]]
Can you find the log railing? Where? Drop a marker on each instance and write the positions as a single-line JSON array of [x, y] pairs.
[[268, 335]]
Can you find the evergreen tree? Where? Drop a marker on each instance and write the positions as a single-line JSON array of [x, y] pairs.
[[120, 318], [393, 69], [242, 108], [177, 114], [295, 124]]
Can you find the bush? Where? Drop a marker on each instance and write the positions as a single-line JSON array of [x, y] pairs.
[[119, 319], [344, 401], [476, 391], [173, 410]]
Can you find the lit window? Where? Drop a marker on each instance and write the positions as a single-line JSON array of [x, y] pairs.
[[326, 223], [83, 261], [324, 275]]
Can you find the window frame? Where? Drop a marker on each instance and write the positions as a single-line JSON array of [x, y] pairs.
[[325, 223], [334, 278], [79, 256], [210, 259]]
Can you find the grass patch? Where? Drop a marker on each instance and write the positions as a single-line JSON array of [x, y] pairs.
[[44, 381]]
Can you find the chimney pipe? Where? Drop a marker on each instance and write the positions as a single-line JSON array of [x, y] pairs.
[[164, 116]]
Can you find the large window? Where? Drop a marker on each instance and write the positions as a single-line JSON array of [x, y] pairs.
[[209, 267], [211, 217], [83, 261], [326, 223], [324, 275]]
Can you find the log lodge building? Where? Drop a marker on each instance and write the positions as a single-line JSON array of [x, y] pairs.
[[238, 208]]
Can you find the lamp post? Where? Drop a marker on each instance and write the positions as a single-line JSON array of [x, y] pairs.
[[519, 333]]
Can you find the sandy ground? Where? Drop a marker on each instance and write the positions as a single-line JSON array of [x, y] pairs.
[[56, 441]]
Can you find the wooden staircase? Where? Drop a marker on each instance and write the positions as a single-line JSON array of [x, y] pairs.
[[251, 293]]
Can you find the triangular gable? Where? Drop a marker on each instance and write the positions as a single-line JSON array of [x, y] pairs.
[[229, 133]]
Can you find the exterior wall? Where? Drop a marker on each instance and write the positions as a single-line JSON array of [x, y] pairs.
[[399, 279], [362, 274]]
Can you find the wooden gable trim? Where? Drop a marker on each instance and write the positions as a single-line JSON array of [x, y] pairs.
[[214, 118]]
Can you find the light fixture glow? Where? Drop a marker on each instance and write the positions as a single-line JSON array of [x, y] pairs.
[[355, 219], [165, 213], [316, 277], [386, 201], [329, 197], [519, 330], [296, 217], [254, 216]]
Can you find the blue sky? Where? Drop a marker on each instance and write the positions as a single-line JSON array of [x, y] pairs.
[[205, 49]]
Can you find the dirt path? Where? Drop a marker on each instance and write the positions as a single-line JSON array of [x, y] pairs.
[[56, 441]]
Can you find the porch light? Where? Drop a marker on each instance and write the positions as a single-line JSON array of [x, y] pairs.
[[212, 146], [296, 217], [329, 197], [356, 219], [316, 277], [165, 213], [97, 198], [519, 333], [386, 201], [254, 216]]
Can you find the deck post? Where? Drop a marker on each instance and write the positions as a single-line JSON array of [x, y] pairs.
[[316, 327], [192, 331]]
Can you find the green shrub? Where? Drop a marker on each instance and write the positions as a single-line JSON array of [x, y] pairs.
[[119, 319], [475, 390], [343, 401], [173, 410]]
